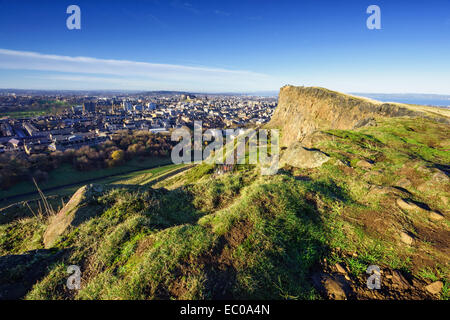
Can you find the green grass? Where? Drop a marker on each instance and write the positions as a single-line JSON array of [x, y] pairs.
[[66, 174], [21, 235], [241, 235]]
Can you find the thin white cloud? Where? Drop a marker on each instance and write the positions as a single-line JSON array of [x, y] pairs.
[[135, 71]]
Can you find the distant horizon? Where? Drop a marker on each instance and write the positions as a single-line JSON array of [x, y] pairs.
[[446, 95], [233, 46]]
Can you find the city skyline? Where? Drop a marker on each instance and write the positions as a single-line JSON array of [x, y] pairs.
[[237, 47]]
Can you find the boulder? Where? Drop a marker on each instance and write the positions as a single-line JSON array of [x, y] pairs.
[[406, 238], [79, 209], [364, 164], [299, 157], [408, 205], [439, 177], [435, 287], [340, 269], [404, 183]]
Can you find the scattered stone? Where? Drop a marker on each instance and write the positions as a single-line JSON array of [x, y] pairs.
[[435, 287], [404, 183], [340, 163], [408, 206], [299, 157], [439, 177], [406, 238], [340, 268], [333, 286], [399, 281], [364, 164], [423, 169], [435, 216], [381, 190], [367, 122], [313, 139]]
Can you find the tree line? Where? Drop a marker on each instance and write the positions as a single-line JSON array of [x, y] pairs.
[[124, 146]]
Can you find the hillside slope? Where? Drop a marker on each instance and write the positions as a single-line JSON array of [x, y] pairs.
[[381, 198]]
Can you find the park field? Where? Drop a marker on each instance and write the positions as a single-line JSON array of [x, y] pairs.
[[66, 179]]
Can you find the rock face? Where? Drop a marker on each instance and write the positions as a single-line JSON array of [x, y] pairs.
[[304, 110], [435, 287], [299, 157]]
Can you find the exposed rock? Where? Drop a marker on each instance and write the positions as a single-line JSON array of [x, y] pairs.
[[399, 281], [378, 190], [423, 169], [435, 287], [435, 216], [407, 205], [406, 238], [311, 140], [366, 122], [439, 177], [340, 163], [364, 164], [299, 157], [333, 286], [302, 111], [411, 206], [340, 268], [79, 209], [403, 183]]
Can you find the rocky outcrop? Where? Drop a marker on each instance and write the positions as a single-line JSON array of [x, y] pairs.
[[304, 110], [299, 157]]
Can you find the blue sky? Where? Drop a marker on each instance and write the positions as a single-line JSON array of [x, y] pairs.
[[218, 46]]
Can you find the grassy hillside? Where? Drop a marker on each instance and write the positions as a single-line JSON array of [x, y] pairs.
[[382, 199]]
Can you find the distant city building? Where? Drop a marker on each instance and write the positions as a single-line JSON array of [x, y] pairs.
[[77, 109], [89, 107]]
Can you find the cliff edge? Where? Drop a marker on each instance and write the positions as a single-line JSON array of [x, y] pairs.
[[304, 110]]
